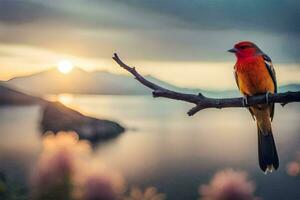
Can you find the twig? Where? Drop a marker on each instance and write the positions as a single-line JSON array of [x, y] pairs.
[[203, 102]]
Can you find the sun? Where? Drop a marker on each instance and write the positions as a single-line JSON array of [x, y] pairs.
[[65, 66]]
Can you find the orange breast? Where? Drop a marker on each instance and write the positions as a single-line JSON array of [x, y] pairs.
[[253, 77]]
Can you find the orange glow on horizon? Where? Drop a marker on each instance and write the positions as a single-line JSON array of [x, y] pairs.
[[199, 74]]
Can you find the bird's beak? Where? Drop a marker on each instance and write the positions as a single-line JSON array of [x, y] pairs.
[[233, 50]]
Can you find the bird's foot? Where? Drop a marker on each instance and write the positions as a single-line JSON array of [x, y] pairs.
[[267, 97], [245, 101]]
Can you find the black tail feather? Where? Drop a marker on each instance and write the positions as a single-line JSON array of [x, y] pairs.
[[267, 152]]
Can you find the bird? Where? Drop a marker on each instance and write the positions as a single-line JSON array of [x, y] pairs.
[[255, 75]]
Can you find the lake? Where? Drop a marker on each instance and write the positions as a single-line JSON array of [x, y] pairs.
[[163, 146]]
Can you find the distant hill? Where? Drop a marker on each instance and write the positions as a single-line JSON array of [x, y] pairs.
[[102, 82], [79, 82], [289, 87], [82, 82]]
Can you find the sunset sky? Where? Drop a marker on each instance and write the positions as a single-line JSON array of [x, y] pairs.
[[182, 42]]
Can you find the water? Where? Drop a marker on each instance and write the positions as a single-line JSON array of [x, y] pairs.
[[165, 148]]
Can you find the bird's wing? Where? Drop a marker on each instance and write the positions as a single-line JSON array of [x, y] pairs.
[[271, 70]]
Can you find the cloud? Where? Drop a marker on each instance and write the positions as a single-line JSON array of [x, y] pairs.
[[230, 14], [16, 12], [78, 14], [160, 30], [227, 185], [200, 15]]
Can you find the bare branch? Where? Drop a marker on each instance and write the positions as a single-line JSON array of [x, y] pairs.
[[203, 102]]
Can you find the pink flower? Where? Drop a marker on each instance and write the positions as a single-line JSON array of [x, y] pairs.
[[228, 185], [67, 169], [98, 188], [293, 168], [52, 177]]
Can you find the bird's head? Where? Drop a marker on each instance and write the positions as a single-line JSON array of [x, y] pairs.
[[245, 49]]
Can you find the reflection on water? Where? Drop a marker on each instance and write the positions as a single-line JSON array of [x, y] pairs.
[[166, 148], [19, 128], [64, 98]]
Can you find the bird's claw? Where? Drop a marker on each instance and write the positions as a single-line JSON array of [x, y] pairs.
[[245, 101]]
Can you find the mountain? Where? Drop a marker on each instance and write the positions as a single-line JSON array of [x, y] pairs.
[[289, 87], [79, 82], [83, 82], [102, 82]]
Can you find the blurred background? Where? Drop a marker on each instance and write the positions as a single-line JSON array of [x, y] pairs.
[[56, 74]]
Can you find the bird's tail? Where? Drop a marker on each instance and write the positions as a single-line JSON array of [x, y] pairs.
[[267, 153]]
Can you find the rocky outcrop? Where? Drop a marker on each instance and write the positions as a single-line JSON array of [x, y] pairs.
[[57, 117], [10, 96]]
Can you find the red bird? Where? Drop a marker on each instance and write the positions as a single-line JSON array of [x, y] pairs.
[[254, 74]]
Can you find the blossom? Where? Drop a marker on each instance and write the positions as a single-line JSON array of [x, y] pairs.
[[227, 185], [293, 168], [67, 169]]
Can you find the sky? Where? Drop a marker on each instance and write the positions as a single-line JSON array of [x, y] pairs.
[[182, 42]]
